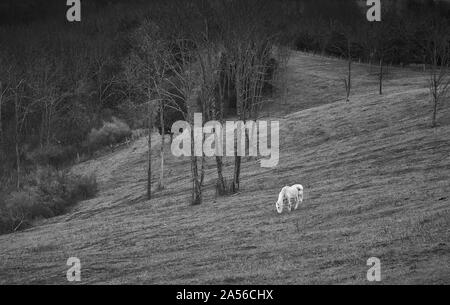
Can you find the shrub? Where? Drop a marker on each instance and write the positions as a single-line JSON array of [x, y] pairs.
[[271, 67], [53, 192], [53, 155], [18, 209], [139, 133], [62, 190], [83, 187], [305, 42], [110, 133]]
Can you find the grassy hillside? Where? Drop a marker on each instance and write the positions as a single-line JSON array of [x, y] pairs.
[[376, 179]]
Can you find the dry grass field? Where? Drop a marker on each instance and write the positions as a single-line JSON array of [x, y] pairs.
[[376, 178]]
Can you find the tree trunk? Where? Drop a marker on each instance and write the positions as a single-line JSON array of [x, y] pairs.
[[202, 169], [435, 100], [1, 126], [240, 113], [381, 76], [161, 119], [17, 162], [237, 173], [149, 155], [349, 79], [16, 108], [42, 131], [196, 187], [49, 119], [433, 121], [221, 187]]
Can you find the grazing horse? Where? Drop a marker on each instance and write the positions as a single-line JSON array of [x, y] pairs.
[[294, 192]]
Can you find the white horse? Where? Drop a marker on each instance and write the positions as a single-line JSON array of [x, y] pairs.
[[294, 192]]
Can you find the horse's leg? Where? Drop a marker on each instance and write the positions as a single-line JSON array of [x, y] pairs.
[[297, 201], [289, 204]]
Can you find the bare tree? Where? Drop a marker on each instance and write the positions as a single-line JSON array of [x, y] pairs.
[[4, 87], [5, 92], [149, 152], [16, 136], [209, 54], [2, 93], [222, 80], [185, 79], [248, 73], [247, 43], [160, 73], [438, 55], [161, 152], [343, 46], [165, 72], [13, 79], [380, 39], [348, 80], [139, 71], [101, 65], [346, 28], [14, 76], [44, 75], [19, 118]]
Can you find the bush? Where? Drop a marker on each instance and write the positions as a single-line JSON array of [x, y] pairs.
[[270, 69], [19, 208], [83, 187], [54, 192], [305, 42], [53, 155], [110, 133], [62, 190], [139, 133]]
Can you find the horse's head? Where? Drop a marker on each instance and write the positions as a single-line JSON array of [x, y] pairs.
[[280, 201], [279, 207]]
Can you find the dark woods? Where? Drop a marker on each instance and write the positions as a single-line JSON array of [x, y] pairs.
[[61, 82]]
